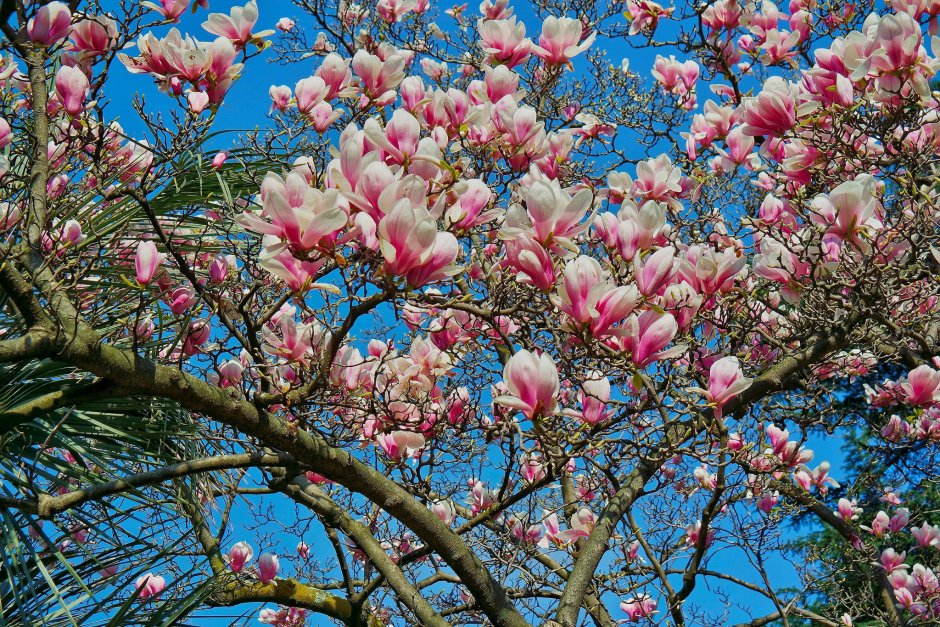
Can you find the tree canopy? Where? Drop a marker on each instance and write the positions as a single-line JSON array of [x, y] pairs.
[[525, 314]]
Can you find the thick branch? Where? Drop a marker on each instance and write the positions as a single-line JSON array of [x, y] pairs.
[[308, 494], [286, 592], [142, 375]]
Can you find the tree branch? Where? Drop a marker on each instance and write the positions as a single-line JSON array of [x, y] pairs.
[[47, 506]]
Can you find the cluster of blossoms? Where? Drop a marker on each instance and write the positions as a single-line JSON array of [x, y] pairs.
[[203, 72]]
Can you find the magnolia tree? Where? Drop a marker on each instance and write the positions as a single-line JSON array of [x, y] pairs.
[[490, 326]]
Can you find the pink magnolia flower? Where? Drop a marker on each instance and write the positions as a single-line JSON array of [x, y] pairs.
[[93, 35], [554, 213], [179, 299], [379, 78], [149, 585], [582, 275], [445, 511], [819, 477], [71, 85], [847, 510], [280, 97], [693, 533], [412, 92], [6, 133], [335, 72], [289, 340], [169, 9], [198, 101], [504, 40], [644, 15], [642, 606], [144, 329], [434, 70], [779, 46], [772, 112], [480, 497], [594, 394], [647, 334], [725, 381], [926, 535], [495, 10], [676, 77], [523, 531], [767, 501], [239, 555], [904, 597], [532, 469], [559, 40], [71, 233], [236, 26], [521, 127], [317, 479], [551, 529], [302, 216], [531, 261], [284, 617], [309, 92], [407, 237], [590, 300], [582, 524], [571, 110], [50, 24], [147, 261], [268, 567], [277, 259], [195, 336], [499, 82], [532, 384], [891, 560], [401, 444], [633, 551], [469, 211], [399, 138], [322, 43], [636, 230], [849, 211], [879, 524], [740, 151], [230, 373], [899, 520], [322, 116], [285, 25], [440, 265], [778, 438], [655, 272], [922, 386], [896, 429], [708, 480], [658, 179], [303, 550], [393, 10], [9, 216]]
